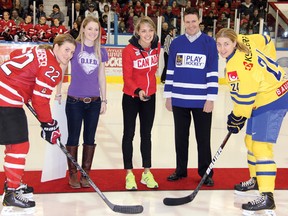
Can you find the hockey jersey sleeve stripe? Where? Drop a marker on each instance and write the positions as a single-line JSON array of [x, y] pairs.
[[243, 96], [189, 97], [211, 97], [213, 73], [243, 102], [213, 84], [189, 85], [45, 85], [170, 72], [41, 94]]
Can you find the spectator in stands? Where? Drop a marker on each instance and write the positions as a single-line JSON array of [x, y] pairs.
[[6, 5], [26, 30], [262, 6], [202, 27], [170, 36], [138, 9], [175, 9], [130, 22], [108, 12], [255, 16], [38, 2], [102, 4], [115, 6], [29, 10], [104, 23], [152, 9], [163, 7], [40, 12], [164, 32], [222, 21], [42, 31], [246, 7], [75, 30], [209, 20], [127, 9], [57, 29], [214, 9], [225, 9], [91, 11], [188, 5], [17, 19], [56, 13], [18, 6], [7, 27], [201, 6], [78, 11], [122, 27], [24, 3], [169, 16]]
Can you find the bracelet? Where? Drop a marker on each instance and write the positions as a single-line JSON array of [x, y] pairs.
[[104, 101], [58, 95]]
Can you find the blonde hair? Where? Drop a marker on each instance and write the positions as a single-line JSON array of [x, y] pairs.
[[97, 42], [231, 34], [142, 20]]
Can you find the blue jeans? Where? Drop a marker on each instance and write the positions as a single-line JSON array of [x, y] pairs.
[[78, 112]]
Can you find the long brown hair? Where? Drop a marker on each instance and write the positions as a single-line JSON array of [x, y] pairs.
[[59, 40], [81, 36], [231, 34]]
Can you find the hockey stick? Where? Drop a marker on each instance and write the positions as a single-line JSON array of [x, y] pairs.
[[134, 209], [189, 198]]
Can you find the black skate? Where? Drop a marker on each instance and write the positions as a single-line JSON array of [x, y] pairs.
[[26, 190], [250, 186], [15, 204], [264, 205]]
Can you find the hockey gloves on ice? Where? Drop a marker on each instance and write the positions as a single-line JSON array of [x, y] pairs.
[[50, 132], [235, 123]]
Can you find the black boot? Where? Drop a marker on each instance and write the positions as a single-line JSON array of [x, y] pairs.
[[87, 158], [73, 175]]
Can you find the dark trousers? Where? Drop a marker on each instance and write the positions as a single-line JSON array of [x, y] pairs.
[[78, 112], [202, 126], [132, 106], [163, 75]]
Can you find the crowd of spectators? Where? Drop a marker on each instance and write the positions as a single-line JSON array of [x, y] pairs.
[[16, 22]]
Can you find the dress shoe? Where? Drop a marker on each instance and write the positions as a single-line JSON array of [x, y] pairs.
[[209, 182], [175, 177]]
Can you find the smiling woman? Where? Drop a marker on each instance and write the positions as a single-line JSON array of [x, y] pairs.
[[141, 57], [42, 67], [86, 96], [257, 89]]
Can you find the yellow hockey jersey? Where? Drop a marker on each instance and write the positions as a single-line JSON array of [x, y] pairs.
[[255, 80], [260, 42]]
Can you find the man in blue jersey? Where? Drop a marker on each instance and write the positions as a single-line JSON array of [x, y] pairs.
[[191, 87]]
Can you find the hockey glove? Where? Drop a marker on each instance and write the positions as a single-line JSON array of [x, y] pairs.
[[50, 132], [235, 123]]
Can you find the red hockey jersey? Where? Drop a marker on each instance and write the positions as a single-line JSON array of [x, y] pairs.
[[30, 76]]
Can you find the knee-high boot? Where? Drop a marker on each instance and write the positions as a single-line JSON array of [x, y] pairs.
[[73, 175], [87, 158]]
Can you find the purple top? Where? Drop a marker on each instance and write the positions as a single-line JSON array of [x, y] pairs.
[[84, 72]]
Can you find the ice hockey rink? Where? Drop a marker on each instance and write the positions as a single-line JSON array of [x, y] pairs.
[[108, 155]]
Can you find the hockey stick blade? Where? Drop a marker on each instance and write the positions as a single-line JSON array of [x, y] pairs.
[[183, 200], [132, 209]]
